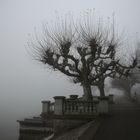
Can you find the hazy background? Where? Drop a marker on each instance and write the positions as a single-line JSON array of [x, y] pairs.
[[24, 82]]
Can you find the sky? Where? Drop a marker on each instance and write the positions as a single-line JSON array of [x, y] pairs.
[[23, 81]]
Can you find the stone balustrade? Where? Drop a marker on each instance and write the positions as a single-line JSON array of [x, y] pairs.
[[75, 105], [79, 107]]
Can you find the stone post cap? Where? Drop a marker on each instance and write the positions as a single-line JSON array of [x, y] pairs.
[[59, 97], [45, 101], [73, 96]]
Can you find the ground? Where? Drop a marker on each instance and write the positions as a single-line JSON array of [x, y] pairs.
[[122, 124]]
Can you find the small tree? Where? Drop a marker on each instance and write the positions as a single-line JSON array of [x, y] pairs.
[[84, 51]]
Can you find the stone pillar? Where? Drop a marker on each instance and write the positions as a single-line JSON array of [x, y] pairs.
[[102, 107], [111, 98], [59, 105], [45, 107]]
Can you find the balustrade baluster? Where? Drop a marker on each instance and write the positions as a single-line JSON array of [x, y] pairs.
[[92, 110], [90, 107], [66, 107], [82, 107], [72, 106]]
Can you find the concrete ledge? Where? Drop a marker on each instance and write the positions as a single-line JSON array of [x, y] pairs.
[[83, 132], [71, 117], [91, 130]]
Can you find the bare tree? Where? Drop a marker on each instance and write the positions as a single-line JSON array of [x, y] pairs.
[[133, 76], [84, 51]]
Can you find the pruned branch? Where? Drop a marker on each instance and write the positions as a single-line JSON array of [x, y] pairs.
[[94, 52]]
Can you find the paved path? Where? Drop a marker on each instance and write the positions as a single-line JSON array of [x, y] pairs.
[[123, 124]]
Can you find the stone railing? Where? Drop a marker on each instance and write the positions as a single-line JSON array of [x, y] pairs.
[[75, 105], [79, 107], [65, 106]]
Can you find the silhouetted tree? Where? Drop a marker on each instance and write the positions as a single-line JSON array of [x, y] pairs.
[[84, 51], [133, 77]]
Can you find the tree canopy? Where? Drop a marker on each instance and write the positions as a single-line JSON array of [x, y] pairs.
[[85, 51]]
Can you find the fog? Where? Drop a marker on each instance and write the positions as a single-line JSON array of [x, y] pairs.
[[23, 81]]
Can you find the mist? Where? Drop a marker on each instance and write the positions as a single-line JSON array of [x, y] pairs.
[[24, 83]]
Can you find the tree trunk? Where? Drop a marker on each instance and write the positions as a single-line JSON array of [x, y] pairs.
[[101, 89], [87, 92]]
